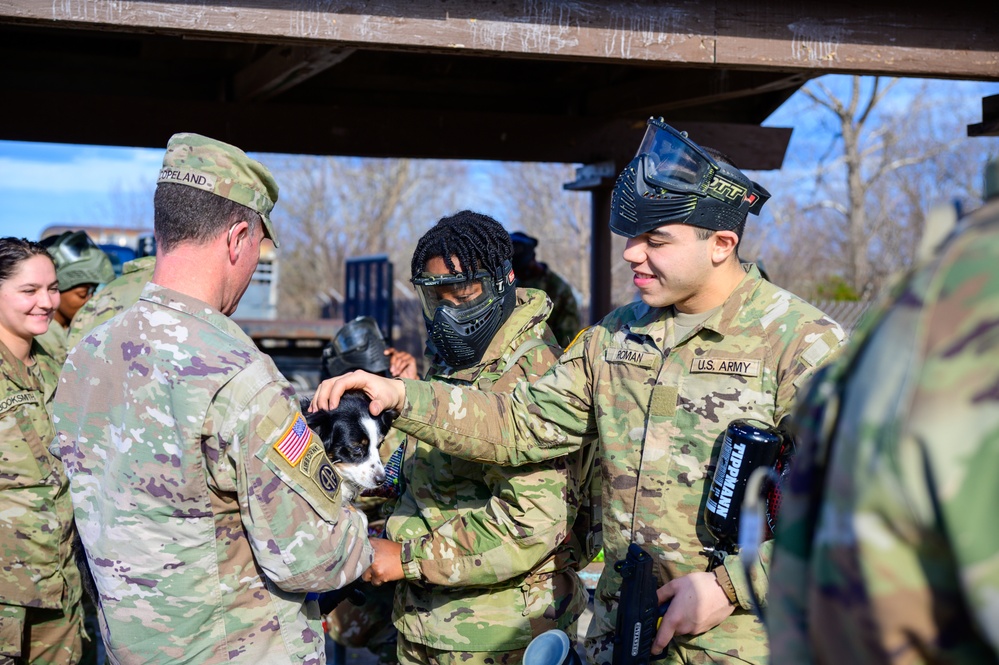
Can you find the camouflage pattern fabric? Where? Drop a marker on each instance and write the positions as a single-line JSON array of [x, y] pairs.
[[55, 341], [564, 319], [486, 550], [222, 169], [414, 653], [118, 295], [897, 561], [39, 581], [207, 508], [659, 408]]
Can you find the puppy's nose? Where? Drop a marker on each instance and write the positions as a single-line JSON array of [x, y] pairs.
[[379, 475]]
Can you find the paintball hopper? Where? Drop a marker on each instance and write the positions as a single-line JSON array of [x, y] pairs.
[[551, 648]]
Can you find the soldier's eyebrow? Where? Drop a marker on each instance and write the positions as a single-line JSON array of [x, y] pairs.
[[659, 234]]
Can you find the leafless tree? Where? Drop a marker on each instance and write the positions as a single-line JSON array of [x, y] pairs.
[[561, 220], [332, 209], [851, 221]]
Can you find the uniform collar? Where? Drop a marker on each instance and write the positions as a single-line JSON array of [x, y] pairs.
[[20, 374], [191, 306], [725, 321]]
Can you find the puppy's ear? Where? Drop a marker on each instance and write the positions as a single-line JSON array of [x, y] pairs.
[[386, 417], [316, 421]]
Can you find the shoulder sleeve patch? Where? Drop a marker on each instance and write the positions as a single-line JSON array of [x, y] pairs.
[[293, 443], [818, 350], [313, 476]]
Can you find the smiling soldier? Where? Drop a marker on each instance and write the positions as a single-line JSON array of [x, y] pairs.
[[657, 382]]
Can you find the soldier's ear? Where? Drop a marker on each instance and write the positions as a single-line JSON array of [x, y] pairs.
[[723, 244], [236, 238]]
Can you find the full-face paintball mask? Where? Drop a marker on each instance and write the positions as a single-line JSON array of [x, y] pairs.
[[78, 260], [357, 345], [672, 180], [461, 321]]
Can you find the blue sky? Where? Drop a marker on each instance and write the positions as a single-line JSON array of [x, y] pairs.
[[44, 184]]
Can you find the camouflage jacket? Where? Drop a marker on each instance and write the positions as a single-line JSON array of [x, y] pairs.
[[116, 296], [897, 560], [487, 550], [659, 408], [207, 508], [564, 319], [55, 341], [36, 528]]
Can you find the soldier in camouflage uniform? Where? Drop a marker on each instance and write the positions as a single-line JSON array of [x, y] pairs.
[[207, 508], [656, 383], [81, 266], [533, 274], [117, 296], [486, 554], [886, 550], [40, 588]]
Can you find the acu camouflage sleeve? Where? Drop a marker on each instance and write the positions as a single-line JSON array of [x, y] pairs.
[[523, 521], [549, 419], [946, 461], [787, 605], [301, 534]]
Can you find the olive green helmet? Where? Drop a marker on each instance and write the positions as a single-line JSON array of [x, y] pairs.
[[78, 260]]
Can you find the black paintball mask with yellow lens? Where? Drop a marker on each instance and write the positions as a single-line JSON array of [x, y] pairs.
[[672, 180], [461, 320]]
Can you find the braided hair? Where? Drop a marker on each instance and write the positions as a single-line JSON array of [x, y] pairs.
[[479, 242]]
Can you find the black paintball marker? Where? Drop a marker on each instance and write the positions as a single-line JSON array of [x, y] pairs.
[[638, 611]]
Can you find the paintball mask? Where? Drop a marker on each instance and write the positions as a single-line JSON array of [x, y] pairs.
[[463, 312], [357, 345], [672, 180], [78, 260]]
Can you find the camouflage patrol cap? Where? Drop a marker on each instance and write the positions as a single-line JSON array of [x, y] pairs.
[[223, 170]]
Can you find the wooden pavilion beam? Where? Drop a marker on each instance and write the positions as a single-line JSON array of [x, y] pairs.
[[956, 40], [283, 68], [328, 130], [989, 126]]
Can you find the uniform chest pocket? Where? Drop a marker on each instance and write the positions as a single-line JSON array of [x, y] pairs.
[[723, 387], [24, 460]]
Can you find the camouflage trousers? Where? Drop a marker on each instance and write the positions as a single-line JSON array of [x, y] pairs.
[[414, 653], [600, 651], [40, 636]]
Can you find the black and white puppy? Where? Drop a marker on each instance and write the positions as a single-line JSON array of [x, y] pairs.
[[351, 436]]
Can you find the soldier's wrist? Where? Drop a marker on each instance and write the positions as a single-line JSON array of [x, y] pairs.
[[410, 566], [726, 584]]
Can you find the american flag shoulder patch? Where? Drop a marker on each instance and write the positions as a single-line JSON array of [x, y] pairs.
[[295, 441]]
